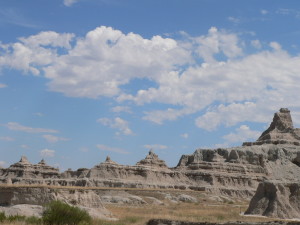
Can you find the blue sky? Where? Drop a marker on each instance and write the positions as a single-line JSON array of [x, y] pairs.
[[83, 79]]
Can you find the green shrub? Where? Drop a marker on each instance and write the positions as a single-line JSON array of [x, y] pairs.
[[34, 220], [131, 219], [2, 217], [15, 218], [59, 213]]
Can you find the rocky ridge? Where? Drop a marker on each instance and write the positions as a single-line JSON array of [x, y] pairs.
[[229, 171], [233, 171]]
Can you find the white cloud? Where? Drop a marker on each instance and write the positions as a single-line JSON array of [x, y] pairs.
[[70, 2], [33, 52], [111, 59], [112, 149], [158, 116], [47, 153], [233, 19], [53, 139], [218, 42], [118, 109], [18, 127], [6, 138], [264, 12], [256, 44], [276, 46], [117, 123], [228, 115], [185, 135], [3, 163], [242, 134], [3, 85], [155, 146], [227, 87]]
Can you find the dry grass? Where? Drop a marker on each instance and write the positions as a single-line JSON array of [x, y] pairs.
[[203, 211], [193, 212]]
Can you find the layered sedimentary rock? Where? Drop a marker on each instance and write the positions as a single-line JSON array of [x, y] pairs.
[[26, 172], [276, 199], [86, 199], [230, 171], [152, 160], [281, 131]]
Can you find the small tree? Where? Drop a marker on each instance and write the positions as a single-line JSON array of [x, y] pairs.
[[59, 213]]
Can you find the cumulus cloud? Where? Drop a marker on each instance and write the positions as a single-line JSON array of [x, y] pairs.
[[47, 153], [34, 51], [53, 139], [155, 146], [228, 115], [3, 85], [218, 42], [211, 75], [242, 134], [111, 149], [159, 116], [117, 123], [111, 59], [18, 127]]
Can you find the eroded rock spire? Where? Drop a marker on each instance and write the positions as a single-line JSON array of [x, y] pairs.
[[280, 131]]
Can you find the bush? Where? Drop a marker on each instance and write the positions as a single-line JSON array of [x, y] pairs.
[[34, 220], [2, 217], [15, 218], [59, 213]]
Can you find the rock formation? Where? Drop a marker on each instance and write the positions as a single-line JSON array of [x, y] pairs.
[[276, 199], [152, 160], [280, 131], [229, 171], [39, 196], [27, 173], [233, 171]]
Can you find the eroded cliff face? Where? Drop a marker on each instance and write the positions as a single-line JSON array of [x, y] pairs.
[[276, 199], [40, 196], [231, 171]]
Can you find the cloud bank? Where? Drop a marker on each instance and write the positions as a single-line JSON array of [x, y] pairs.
[[212, 76]]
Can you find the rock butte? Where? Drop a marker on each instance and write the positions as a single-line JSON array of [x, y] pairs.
[[273, 159]]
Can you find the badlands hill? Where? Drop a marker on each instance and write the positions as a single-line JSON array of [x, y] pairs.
[[273, 159]]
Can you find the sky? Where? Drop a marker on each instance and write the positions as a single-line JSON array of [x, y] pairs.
[[83, 79]]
